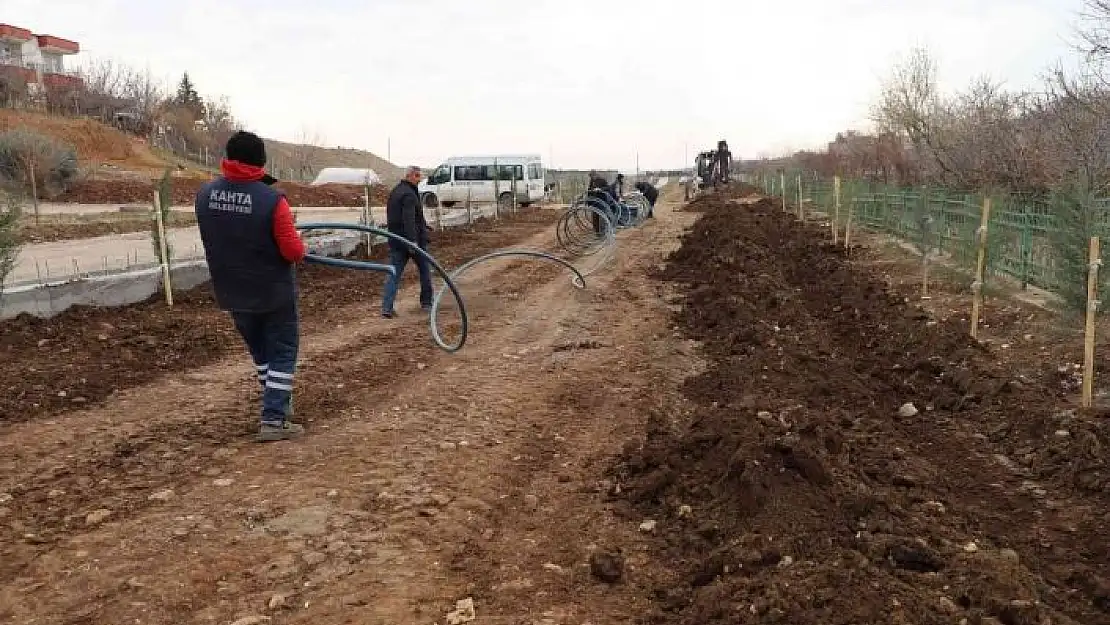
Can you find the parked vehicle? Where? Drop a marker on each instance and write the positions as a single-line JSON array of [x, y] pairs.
[[484, 179]]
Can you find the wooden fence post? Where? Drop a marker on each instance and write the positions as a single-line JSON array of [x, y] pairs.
[[782, 187], [836, 209], [801, 207], [848, 228], [977, 286], [1094, 261], [162, 249]]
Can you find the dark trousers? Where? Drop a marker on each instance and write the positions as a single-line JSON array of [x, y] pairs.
[[273, 339], [399, 255]]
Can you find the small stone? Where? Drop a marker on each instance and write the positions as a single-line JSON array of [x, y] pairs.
[[5, 497], [353, 601], [934, 506], [948, 606], [276, 602], [333, 493], [463, 612], [55, 493], [448, 446], [181, 532], [252, 620], [312, 558], [1009, 554], [1062, 433], [685, 512], [607, 567], [223, 481], [96, 517], [440, 499], [971, 547], [648, 525], [785, 562], [554, 568], [162, 495], [421, 366], [907, 410]]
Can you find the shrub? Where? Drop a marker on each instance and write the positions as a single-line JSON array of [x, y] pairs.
[[10, 211], [36, 163]]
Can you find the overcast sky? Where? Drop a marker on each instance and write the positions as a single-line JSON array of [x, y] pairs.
[[585, 83]]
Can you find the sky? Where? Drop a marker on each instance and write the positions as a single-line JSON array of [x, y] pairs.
[[584, 83]]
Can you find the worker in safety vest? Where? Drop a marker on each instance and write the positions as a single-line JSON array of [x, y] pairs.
[[252, 245]]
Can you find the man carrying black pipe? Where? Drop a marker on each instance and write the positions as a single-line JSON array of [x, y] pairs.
[[252, 245], [404, 216]]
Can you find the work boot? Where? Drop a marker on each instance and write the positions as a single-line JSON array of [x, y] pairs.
[[268, 433], [389, 315]]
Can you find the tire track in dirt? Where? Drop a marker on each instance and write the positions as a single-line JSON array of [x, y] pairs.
[[85, 355], [362, 521], [134, 458]]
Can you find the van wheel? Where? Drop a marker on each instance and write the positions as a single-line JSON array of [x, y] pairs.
[[430, 200], [505, 201]]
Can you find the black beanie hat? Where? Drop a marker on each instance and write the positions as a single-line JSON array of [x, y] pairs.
[[247, 148]]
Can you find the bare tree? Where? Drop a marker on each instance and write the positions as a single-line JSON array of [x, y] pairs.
[[306, 153]]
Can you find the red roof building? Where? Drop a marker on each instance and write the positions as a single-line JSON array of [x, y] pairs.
[[36, 59]]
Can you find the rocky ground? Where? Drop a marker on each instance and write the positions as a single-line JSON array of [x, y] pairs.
[[738, 425]]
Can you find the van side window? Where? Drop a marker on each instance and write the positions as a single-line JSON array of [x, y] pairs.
[[473, 173]]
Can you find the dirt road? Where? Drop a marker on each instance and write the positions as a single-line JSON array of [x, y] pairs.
[[425, 478], [829, 454]]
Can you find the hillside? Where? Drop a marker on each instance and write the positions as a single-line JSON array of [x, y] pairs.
[[105, 153], [284, 155]]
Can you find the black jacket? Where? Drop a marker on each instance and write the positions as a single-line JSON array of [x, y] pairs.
[[597, 182], [404, 214], [649, 191]]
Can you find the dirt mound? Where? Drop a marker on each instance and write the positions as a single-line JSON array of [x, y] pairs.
[[93, 140], [836, 468], [93, 191]]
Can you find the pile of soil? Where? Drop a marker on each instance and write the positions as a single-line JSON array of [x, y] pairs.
[[845, 459], [96, 191], [91, 139], [85, 354]]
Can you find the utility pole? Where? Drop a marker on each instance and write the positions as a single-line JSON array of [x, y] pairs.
[[637, 164], [389, 149]]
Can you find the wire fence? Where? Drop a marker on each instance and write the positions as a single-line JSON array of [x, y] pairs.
[[1040, 242]]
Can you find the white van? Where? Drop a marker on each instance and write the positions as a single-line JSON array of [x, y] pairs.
[[472, 177]]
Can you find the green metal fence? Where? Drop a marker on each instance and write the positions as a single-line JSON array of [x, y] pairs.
[[1037, 242]]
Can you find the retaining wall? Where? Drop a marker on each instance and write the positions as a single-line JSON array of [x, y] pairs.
[[128, 287]]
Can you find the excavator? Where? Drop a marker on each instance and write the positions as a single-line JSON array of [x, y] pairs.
[[712, 167]]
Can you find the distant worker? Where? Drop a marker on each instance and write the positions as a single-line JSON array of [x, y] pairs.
[[251, 245], [405, 217], [651, 193], [600, 189], [617, 188]]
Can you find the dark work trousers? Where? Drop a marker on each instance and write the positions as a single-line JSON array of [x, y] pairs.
[[272, 338], [399, 255]]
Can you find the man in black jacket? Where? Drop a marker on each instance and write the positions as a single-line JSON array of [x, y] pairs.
[[650, 192], [405, 217]]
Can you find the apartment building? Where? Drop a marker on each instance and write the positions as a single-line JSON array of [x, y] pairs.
[[38, 60]]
